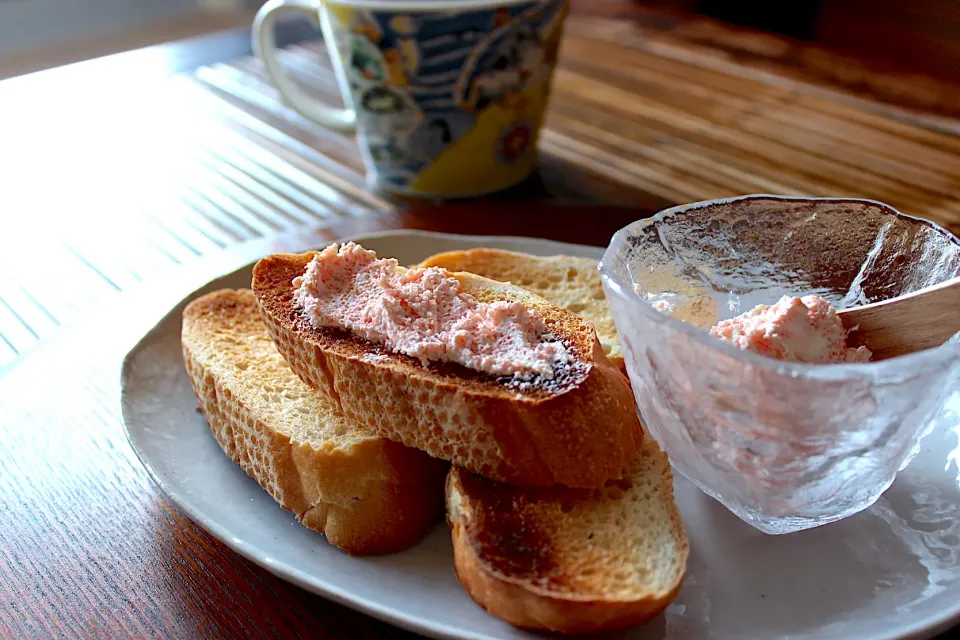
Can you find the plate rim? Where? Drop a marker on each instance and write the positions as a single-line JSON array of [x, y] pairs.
[[925, 628]]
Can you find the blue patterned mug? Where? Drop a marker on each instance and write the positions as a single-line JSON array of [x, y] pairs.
[[446, 97]]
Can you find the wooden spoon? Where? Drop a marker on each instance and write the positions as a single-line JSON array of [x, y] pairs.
[[908, 323]]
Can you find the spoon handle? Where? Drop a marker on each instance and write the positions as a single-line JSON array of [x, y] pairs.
[[919, 320]]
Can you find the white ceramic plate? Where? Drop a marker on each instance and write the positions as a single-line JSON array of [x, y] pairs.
[[892, 571]]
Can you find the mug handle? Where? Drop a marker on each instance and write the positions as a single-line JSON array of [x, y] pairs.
[[265, 44]]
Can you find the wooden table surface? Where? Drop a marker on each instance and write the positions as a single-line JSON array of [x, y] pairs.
[[133, 174]]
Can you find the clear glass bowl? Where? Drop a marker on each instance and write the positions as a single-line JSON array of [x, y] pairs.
[[784, 446]]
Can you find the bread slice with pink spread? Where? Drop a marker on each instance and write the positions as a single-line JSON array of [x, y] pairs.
[[567, 281], [480, 373]]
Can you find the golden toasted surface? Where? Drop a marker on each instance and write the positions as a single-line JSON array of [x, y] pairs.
[[571, 560], [578, 429], [567, 281], [366, 493]]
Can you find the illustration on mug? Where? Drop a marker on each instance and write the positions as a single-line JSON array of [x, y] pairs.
[[443, 98]]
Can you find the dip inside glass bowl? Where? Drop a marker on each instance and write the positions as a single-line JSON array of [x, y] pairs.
[[784, 446]]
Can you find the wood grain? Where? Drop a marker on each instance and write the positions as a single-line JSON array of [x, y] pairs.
[[163, 173], [916, 321], [91, 548], [923, 33]]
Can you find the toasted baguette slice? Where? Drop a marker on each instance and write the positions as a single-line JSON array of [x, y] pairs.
[[567, 281], [367, 494], [570, 560], [556, 432]]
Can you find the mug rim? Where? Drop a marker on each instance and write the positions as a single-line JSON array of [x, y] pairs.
[[423, 6]]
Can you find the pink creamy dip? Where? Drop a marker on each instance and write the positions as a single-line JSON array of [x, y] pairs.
[[804, 329], [423, 314]]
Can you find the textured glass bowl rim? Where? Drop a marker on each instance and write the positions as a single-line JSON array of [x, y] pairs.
[[911, 362]]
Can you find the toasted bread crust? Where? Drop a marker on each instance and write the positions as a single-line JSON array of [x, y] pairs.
[[516, 604], [578, 436], [370, 496], [512, 551]]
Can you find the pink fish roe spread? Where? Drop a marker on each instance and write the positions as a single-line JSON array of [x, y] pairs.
[[803, 329], [423, 314]]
